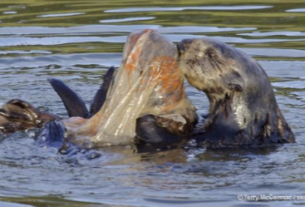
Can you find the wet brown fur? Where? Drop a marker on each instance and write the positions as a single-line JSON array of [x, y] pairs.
[[17, 115], [243, 109]]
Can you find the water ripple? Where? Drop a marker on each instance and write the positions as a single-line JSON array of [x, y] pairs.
[[103, 59], [275, 33], [131, 19], [60, 15], [9, 12], [74, 30], [14, 41], [208, 8], [296, 10], [89, 29], [275, 52], [6, 41], [201, 29]]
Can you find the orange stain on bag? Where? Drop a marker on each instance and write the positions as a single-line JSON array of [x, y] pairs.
[[163, 70], [133, 51], [131, 63], [171, 81]]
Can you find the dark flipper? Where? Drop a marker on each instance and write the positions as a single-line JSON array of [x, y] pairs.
[[52, 135], [148, 130], [17, 115], [101, 94], [74, 104]]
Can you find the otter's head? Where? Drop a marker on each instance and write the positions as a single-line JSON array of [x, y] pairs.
[[210, 66], [243, 108]]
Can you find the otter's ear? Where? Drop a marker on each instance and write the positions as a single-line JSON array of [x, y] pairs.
[[234, 81]]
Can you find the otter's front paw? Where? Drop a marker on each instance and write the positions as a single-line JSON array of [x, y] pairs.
[[148, 130]]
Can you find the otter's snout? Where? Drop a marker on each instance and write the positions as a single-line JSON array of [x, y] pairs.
[[184, 45]]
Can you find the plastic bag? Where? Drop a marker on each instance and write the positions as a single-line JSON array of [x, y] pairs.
[[148, 81]]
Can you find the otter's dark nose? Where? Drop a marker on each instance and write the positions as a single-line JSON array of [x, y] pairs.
[[184, 45]]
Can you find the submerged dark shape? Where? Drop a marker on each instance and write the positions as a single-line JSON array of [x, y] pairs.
[[243, 109]]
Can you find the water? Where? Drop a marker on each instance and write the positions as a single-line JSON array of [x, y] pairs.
[[78, 40]]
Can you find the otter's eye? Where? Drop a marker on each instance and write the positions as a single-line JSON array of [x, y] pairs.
[[210, 53]]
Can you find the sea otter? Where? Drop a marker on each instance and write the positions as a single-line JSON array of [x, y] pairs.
[[243, 109], [144, 98]]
